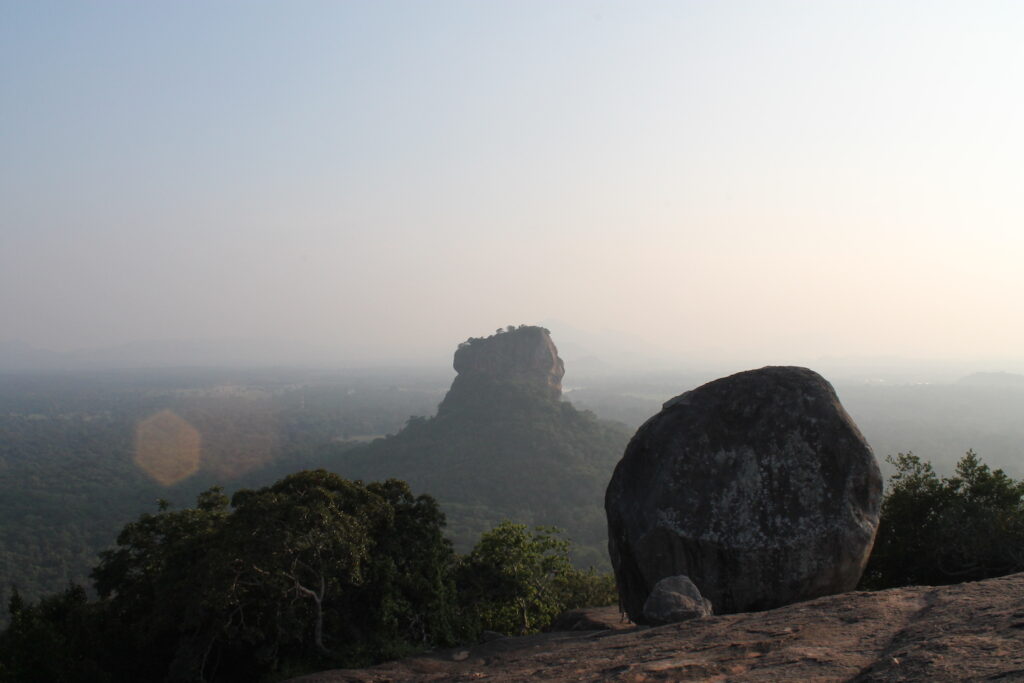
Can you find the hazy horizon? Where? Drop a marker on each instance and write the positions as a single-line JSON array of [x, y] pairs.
[[587, 357], [723, 185]]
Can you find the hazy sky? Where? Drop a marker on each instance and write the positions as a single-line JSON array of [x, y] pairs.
[[761, 181]]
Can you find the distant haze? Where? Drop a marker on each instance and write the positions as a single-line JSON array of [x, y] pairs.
[[727, 183]]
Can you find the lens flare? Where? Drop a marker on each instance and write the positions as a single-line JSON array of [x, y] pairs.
[[167, 447]]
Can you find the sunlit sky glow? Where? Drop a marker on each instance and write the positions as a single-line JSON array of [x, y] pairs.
[[764, 182]]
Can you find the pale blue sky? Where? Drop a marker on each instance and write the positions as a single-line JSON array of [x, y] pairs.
[[758, 182]]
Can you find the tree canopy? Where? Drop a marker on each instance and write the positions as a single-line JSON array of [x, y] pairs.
[[515, 580], [314, 571], [314, 568], [942, 530]]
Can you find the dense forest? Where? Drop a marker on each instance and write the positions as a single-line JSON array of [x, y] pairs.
[[68, 479], [312, 572], [113, 574], [316, 571], [515, 454], [68, 482]]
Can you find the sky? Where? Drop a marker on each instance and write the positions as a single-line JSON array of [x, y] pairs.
[[729, 182]]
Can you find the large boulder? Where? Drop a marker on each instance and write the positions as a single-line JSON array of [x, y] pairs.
[[758, 487]]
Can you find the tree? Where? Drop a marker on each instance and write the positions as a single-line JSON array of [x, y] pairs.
[[162, 590], [410, 590], [937, 531], [288, 556], [55, 639], [515, 581], [313, 570]]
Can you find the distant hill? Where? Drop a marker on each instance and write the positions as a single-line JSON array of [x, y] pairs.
[[503, 445], [992, 379], [19, 357]]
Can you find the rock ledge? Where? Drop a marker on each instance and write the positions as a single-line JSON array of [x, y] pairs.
[[973, 631]]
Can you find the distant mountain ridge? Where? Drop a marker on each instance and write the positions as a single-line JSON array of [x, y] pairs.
[[17, 356], [992, 379]]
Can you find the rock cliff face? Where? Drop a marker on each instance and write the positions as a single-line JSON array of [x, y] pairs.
[[758, 487], [522, 358]]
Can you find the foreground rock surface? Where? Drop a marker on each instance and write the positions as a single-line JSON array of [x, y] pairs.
[[758, 486], [971, 632], [590, 619]]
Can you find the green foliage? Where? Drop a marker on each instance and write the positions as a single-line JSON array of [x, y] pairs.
[[68, 483], [515, 581], [411, 572], [300, 550], [313, 571], [512, 452], [52, 640], [588, 588], [162, 581], [937, 531]]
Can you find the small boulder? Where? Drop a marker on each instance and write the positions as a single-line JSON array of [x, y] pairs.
[[675, 598]]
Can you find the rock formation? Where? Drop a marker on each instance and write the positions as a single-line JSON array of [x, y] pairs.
[[503, 445], [522, 359], [758, 487]]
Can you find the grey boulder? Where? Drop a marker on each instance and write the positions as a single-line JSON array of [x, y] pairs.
[[758, 487], [675, 598]]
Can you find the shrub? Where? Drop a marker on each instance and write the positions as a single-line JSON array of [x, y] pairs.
[[515, 581], [942, 530]]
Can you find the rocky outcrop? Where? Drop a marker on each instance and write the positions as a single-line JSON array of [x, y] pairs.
[[503, 445], [522, 359], [758, 487], [970, 632], [675, 598]]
